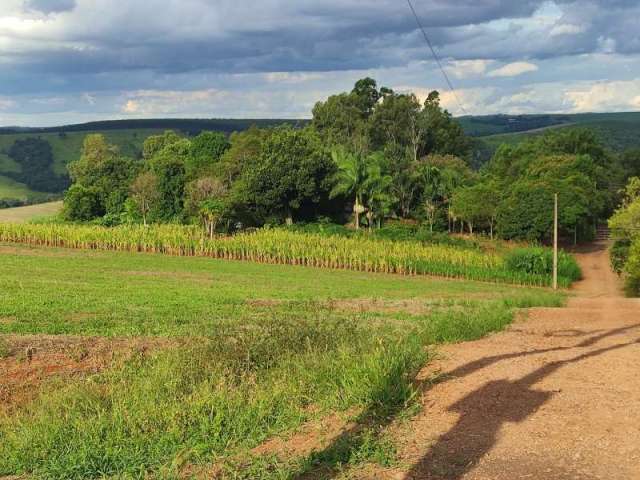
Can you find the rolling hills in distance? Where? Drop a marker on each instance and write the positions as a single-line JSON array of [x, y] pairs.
[[618, 131]]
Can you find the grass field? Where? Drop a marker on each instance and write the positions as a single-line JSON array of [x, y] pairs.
[[161, 365], [30, 212], [12, 189]]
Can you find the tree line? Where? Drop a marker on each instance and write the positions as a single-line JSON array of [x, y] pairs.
[[367, 156]]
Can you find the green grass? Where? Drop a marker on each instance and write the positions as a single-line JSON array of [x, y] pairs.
[[259, 349], [12, 189], [30, 213], [67, 148]]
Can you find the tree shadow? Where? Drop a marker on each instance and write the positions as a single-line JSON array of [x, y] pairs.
[[482, 413]]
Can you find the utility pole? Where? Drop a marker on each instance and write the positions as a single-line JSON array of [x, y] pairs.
[[555, 242]]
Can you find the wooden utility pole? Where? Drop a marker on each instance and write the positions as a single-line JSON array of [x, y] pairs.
[[555, 242]]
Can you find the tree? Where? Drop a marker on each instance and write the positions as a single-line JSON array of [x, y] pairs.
[[212, 210], [432, 192], [397, 121], [207, 149], [207, 198], [367, 94], [243, 153], [526, 211], [630, 162], [443, 134], [350, 179], [108, 174], [377, 189], [82, 204], [477, 204], [156, 143], [145, 193], [169, 154], [292, 175]]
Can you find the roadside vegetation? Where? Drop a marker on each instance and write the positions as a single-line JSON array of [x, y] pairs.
[[625, 226]]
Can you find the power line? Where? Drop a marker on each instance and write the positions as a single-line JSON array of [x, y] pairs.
[[435, 56]]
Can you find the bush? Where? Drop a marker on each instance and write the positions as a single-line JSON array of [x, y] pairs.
[[539, 261], [619, 254], [632, 270], [82, 203]]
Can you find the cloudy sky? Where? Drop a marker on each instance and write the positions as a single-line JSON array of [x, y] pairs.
[[68, 61]]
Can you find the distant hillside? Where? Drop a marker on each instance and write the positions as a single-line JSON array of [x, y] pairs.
[[128, 135], [618, 131]]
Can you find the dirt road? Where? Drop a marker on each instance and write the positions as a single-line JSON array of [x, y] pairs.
[[557, 396]]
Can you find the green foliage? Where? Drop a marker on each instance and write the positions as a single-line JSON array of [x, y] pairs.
[[206, 150], [632, 270], [526, 211], [539, 261], [291, 178], [101, 172], [619, 254], [477, 204], [625, 226], [570, 163], [82, 203]]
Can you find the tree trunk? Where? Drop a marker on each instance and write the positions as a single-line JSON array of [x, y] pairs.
[[289, 218], [491, 229], [357, 212]]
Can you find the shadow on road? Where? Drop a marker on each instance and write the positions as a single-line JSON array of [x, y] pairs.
[[482, 414]]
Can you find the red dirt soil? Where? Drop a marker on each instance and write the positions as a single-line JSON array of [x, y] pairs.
[[34, 359], [555, 397]]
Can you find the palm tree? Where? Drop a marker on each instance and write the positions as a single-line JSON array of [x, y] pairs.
[[351, 178], [377, 189]]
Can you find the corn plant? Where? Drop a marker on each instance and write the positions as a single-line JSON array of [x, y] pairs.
[[281, 247]]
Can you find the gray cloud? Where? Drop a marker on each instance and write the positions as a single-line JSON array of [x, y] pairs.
[[66, 48], [49, 6]]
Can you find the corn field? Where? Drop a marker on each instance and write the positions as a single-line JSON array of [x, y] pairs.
[[279, 247]]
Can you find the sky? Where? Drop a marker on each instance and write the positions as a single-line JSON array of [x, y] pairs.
[[71, 61]]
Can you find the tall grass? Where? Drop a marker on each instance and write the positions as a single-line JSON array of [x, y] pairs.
[[284, 247], [225, 394]]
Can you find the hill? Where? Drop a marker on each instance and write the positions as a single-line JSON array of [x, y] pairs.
[[128, 135], [617, 131]]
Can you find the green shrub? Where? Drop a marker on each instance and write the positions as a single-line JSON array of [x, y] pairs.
[[539, 261], [619, 254], [632, 270]]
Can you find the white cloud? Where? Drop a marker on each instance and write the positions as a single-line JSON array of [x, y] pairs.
[[605, 96], [467, 68], [566, 29], [513, 69]]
